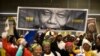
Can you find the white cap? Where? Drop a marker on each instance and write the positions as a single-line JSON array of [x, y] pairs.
[[86, 41]]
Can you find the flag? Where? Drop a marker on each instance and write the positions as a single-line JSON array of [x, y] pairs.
[[30, 36]]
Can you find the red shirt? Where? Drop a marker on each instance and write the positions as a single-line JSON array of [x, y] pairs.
[[11, 51]]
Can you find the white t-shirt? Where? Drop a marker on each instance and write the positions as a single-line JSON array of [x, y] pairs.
[[61, 45], [98, 54], [52, 54]]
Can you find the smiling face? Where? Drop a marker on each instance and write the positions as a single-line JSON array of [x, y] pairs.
[[46, 48], [37, 51], [53, 18], [86, 47]]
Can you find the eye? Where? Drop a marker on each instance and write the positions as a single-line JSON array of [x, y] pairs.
[[47, 12], [61, 14]]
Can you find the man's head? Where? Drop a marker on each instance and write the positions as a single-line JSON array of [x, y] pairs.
[[53, 18], [89, 36], [59, 38]]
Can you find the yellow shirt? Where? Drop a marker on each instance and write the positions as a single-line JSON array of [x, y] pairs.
[[89, 53], [2, 52], [71, 55]]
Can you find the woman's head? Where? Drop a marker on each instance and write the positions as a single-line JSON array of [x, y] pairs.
[[86, 45], [69, 46], [21, 41], [36, 49], [46, 46]]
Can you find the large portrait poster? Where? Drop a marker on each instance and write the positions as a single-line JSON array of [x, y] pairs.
[[91, 25], [30, 18]]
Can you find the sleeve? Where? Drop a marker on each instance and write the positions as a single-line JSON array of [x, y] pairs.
[[27, 52], [7, 46], [16, 33], [19, 51], [58, 54]]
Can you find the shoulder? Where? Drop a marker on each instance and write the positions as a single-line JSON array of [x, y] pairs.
[[27, 52], [93, 53]]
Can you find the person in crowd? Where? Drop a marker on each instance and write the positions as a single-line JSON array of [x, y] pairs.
[[58, 44], [12, 40], [2, 50], [68, 51], [98, 45], [47, 49], [75, 43], [81, 37], [12, 50], [87, 48], [90, 37], [36, 49], [39, 39], [71, 38], [66, 38]]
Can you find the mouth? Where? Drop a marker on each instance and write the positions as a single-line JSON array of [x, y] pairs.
[[51, 23], [53, 26]]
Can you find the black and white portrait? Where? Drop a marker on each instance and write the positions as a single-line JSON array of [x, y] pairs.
[[54, 18]]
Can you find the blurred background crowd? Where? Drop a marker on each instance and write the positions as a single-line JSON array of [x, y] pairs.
[[49, 43]]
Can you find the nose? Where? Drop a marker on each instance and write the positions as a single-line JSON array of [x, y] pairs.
[[52, 19]]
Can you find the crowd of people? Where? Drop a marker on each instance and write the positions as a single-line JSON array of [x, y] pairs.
[[50, 43]]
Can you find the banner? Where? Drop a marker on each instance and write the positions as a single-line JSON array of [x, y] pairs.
[[30, 36], [7, 19], [30, 18], [91, 25]]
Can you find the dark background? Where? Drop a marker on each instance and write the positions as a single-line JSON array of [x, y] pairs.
[[11, 5], [93, 6]]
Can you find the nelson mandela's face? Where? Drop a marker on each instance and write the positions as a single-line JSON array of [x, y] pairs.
[[53, 18]]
